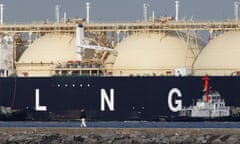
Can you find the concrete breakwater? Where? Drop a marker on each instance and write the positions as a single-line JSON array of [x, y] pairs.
[[118, 135]]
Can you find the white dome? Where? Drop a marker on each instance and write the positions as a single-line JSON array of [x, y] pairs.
[[51, 48], [151, 54], [220, 57], [44, 53]]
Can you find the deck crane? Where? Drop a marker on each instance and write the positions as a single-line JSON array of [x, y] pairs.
[[80, 44]]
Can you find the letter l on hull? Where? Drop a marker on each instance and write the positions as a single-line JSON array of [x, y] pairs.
[[37, 102]]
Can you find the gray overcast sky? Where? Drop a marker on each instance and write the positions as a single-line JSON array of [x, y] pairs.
[[25, 11]]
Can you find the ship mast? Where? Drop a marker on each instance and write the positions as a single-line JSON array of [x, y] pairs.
[[57, 13], [177, 9], [145, 7], [1, 13], [236, 6], [206, 87], [88, 11]]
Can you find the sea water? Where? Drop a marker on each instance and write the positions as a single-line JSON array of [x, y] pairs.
[[128, 124]]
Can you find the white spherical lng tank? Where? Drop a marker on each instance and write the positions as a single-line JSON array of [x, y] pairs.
[[39, 58], [220, 57], [152, 54]]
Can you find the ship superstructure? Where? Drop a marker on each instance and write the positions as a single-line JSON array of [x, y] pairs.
[[210, 106]]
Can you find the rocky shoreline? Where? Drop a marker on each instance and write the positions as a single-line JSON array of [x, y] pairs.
[[118, 136]]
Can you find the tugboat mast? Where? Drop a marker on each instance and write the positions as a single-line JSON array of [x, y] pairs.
[[206, 87]]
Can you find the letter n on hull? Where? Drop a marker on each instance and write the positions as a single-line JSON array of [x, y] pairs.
[[106, 100]]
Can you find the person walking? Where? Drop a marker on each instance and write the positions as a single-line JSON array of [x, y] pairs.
[[83, 117]]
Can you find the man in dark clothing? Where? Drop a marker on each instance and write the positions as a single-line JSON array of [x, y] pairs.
[[83, 117]]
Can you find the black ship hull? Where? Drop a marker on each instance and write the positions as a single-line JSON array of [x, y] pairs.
[[110, 98], [20, 115]]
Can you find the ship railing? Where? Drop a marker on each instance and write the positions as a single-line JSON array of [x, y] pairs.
[[80, 65], [86, 67]]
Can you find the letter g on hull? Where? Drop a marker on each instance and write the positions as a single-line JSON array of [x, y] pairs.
[[175, 105]]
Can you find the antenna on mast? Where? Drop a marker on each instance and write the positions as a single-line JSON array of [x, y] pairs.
[[88, 11], [177, 9], [57, 13], [145, 7]]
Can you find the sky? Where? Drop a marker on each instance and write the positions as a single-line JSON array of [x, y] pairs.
[[26, 11]]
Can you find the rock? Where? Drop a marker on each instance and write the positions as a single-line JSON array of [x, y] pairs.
[[19, 139], [201, 140], [233, 139], [53, 139], [212, 138], [119, 136], [94, 136], [224, 138], [78, 138]]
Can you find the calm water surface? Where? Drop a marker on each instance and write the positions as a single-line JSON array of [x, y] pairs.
[[90, 124]]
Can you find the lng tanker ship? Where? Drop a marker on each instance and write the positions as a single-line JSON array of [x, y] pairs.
[[147, 89], [142, 75]]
